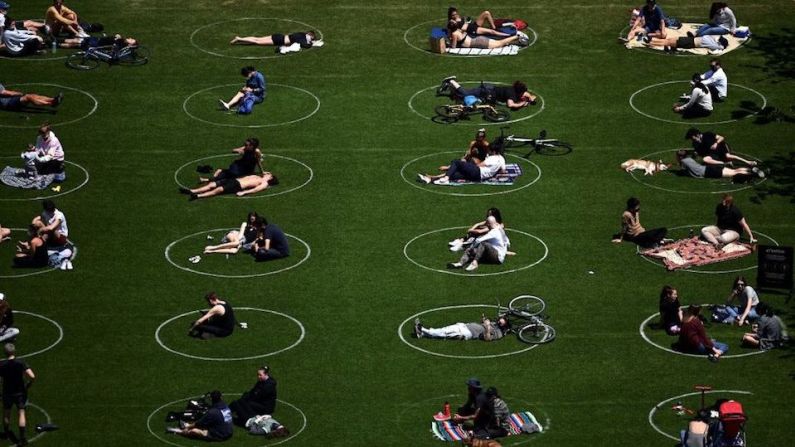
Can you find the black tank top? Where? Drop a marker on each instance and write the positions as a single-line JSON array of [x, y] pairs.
[[247, 163], [227, 320]]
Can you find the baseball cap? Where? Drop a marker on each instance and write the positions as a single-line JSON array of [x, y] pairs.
[[4, 5], [474, 382]]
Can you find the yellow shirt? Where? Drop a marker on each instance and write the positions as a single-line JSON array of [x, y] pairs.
[[53, 16]]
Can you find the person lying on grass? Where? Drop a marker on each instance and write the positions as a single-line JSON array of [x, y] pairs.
[[476, 230], [633, 231], [237, 240], [16, 100], [250, 184], [713, 44], [116, 43], [713, 148], [490, 248], [304, 39], [469, 170], [485, 330], [693, 337], [217, 321], [515, 96], [695, 169], [250, 159], [465, 34]]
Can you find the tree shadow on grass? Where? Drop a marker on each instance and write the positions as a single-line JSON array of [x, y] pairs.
[[778, 51], [782, 179], [764, 115]]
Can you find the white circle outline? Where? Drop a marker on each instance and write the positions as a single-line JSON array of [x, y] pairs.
[[436, 191], [217, 275], [405, 254], [241, 19], [638, 177], [40, 270], [625, 31], [259, 126], [406, 33], [231, 359], [91, 112], [311, 175], [703, 272], [49, 320], [54, 195], [698, 393], [48, 418], [149, 421], [451, 356], [691, 123], [484, 123], [687, 354]]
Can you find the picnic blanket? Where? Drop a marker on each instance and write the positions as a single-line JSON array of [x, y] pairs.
[[18, 178], [692, 251], [508, 50], [734, 42], [512, 171], [451, 432]]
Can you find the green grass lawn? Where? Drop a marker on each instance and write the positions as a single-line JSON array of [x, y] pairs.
[[347, 127]]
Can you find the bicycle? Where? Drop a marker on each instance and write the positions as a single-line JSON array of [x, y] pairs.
[[450, 113], [525, 315], [540, 144], [92, 57]]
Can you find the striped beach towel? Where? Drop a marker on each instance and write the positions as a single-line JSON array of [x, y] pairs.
[[451, 432], [509, 50]]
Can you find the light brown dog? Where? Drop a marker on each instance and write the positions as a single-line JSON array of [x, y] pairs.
[[481, 442], [647, 165]]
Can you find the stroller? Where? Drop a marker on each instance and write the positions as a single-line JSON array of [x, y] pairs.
[[730, 428]]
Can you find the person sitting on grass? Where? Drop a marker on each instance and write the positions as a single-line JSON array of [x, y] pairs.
[[19, 42], [252, 93], [473, 27], [515, 96], [216, 322], [470, 171], [61, 19], [713, 148], [633, 231], [486, 330], [5, 234], [215, 425], [769, 331], [16, 100], [697, 433], [250, 184], [491, 248], [716, 81], [670, 310], [304, 39], [250, 159], [693, 337], [7, 330], [713, 44], [650, 23], [476, 402], [49, 158], [695, 169], [272, 243], [259, 400], [748, 300], [51, 224], [496, 417], [722, 21], [730, 223], [699, 103], [31, 253], [237, 240], [476, 230]]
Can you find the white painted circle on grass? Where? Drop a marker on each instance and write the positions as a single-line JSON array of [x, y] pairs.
[[218, 275], [691, 122], [54, 194], [482, 122], [231, 359], [441, 21], [452, 356], [648, 340], [46, 417], [269, 444], [56, 124], [270, 49], [499, 189], [661, 404], [53, 344], [449, 272], [639, 177], [35, 271], [695, 269], [311, 175], [255, 126]]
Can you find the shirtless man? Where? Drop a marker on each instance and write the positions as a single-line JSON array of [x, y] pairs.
[[250, 184]]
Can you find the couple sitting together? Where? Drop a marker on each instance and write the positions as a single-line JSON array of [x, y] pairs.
[[468, 33], [484, 242], [265, 241], [47, 242], [481, 162], [718, 160]]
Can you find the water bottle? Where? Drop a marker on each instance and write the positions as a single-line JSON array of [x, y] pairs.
[[54, 45], [691, 233], [446, 410]]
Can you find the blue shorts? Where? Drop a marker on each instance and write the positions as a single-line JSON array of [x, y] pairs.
[[10, 102]]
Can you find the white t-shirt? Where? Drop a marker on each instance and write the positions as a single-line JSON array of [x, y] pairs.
[[697, 96], [497, 238], [747, 294], [2, 20], [717, 79], [63, 228], [50, 149], [14, 40], [491, 166]]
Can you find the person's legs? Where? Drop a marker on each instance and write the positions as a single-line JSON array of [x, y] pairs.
[[711, 30], [196, 433], [695, 111], [268, 255], [462, 170], [208, 187], [37, 100], [23, 423], [491, 32], [453, 331], [212, 192], [490, 255], [649, 238], [235, 99], [251, 40], [751, 340], [502, 42], [9, 334], [473, 253], [207, 330], [728, 236], [711, 234], [485, 17], [722, 347]]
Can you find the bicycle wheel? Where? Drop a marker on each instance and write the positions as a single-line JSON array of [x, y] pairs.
[[81, 61], [495, 115], [450, 112], [136, 56], [553, 148], [536, 333], [527, 305]]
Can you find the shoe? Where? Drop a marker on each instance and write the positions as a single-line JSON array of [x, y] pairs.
[[174, 430], [63, 264], [184, 190], [56, 188], [457, 247], [455, 242], [690, 34], [685, 97], [454, 265], [442, 181], [760, 173], [417, 328], [423, 179], [522, 35], [69, 265], [668, 49], [195, 259], [224, 105], [712, 358], [448, 79], [193, 197], [472, 266], [57, 100]]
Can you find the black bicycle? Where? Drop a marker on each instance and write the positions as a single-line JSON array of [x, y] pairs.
[[92, 57], [525, 315], [450, 113], [541, 144]]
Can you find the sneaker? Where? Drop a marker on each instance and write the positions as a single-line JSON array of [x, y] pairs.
[[760, 173], [685, 97], [210, 237], [457, 247], [174, 430], [63, 264], [712, 358], [57, 100], [417, 328], [224, 105], [195, 259], [455, 242], [184, 190], [448, 79], [442, 181], [69, 265], [56, 188], [193, 197], [472, 266], [454, 265], [522, 35], [423, 179]]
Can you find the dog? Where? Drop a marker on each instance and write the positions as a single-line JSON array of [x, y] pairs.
[[470, 441], [647, 165]]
